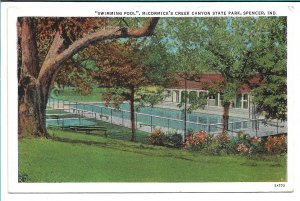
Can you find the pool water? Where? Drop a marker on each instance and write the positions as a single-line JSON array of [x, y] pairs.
[[69, 122], [168, 118]]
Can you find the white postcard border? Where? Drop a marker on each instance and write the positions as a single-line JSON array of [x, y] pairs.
[[9, 151]]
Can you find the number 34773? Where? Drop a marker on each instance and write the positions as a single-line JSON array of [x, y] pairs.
[[279, 185]]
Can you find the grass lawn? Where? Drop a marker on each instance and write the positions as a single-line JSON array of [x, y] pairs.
[[72, 95], [55, 111], [76, 157]]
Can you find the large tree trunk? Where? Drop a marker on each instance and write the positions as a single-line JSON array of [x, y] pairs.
[[34, 80], [132, 117], [32, 96], [225, 117], [32, 107]]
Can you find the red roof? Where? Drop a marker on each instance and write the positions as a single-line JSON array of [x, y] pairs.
[[205, 81]]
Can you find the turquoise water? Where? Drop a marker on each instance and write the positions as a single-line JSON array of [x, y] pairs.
[[168, 118], [70, 122]]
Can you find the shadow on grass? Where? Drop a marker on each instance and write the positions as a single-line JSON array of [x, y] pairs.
[[75, 141], [137, 148]]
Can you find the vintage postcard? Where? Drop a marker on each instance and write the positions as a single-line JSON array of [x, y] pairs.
[[148, 97]]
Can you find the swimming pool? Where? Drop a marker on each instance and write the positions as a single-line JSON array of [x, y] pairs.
[[69, 122], [167, 118]]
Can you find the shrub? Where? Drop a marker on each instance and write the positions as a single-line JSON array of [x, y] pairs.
[[190, 132], [157, 137], [213, 147], [173, 140], [225, 145], [246, 145], [276, 144], [197, 141], [257, 145], [243, 149]]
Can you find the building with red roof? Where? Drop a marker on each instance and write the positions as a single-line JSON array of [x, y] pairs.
[[201, 84]]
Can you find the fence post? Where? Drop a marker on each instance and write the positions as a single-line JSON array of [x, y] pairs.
[[151, 123], [69, 107], [256, 126], [208, 128], [122, 117], [111, 116], [168, 125], [136, 121]]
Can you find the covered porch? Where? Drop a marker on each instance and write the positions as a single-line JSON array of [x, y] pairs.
[[240, 101]]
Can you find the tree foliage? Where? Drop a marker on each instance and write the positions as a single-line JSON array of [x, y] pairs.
[[120, 69], [271, 95], [239, 49], [45, 44]]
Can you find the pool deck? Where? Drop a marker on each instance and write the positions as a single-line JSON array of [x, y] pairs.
[[233, 112]]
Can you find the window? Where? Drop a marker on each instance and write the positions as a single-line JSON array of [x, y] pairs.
[[176, 95], [221, 98], [192, 97], [213, 100], [242, 101], [245, 101], [212, 97], [184, 96], [238, 101]]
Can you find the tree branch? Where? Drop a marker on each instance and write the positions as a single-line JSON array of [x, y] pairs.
[[54, 61]]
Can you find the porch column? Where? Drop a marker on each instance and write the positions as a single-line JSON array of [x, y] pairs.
[[242, 102], [234, 101], [174, 96], [179, 95]]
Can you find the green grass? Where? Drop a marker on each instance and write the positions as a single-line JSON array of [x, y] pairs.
[[76, 157], [55, 111], [123, 133], [72, 95]]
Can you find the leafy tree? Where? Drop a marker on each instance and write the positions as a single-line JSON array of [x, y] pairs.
[[230, 51], [45, 45], [122, 72], [147, 97], [233, 47], [271, 96]]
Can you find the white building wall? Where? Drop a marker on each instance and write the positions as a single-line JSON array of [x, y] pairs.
[[175, 96]]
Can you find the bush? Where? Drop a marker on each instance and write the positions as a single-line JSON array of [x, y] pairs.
[[190, 132], [173, 140], [157, 137], [256, 145], [225, 143], [213, 147], [221, 144], [197, 141], [276, 145], [246, 145]]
